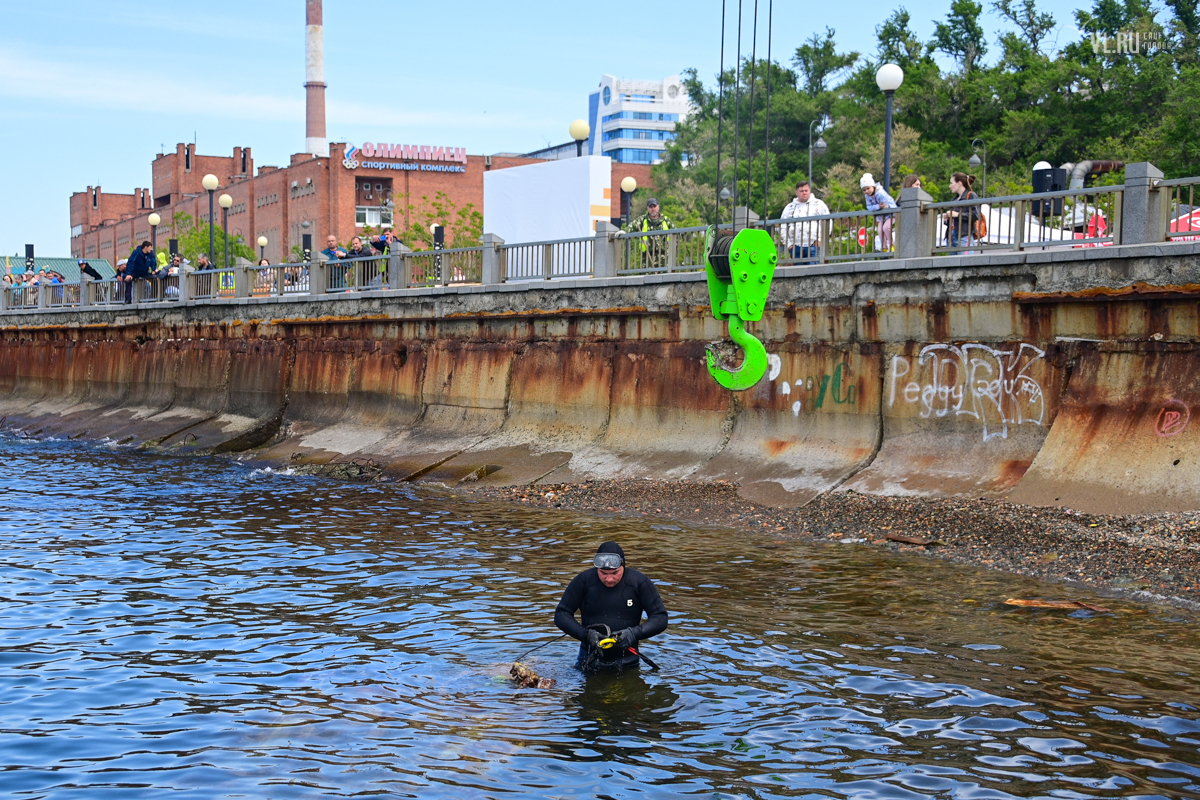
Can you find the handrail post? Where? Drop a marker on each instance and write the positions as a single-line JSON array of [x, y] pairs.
[[825, 227], [318, 277], [914, 239], [241, 282], [743, 217], [1017, 226], [85, 292], [185, 286], [672, 251], [397, 258], [490, 268], [604, 256], [4, 297], [547, 261], [1144, 208]]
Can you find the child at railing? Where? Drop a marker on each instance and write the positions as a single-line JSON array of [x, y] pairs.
[[877, 200]]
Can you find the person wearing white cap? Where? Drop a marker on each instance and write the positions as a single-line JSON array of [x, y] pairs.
[[877, 200]]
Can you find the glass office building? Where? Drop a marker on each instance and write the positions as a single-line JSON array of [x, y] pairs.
[[633, 121]]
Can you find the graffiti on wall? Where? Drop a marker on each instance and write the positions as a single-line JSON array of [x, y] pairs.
[[1172, 419], [992, 385], [815, 391]]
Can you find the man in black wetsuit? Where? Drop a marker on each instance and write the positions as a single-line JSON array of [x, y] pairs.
[[610, 594]]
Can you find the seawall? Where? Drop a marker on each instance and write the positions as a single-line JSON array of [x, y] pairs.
[[1065, 378]]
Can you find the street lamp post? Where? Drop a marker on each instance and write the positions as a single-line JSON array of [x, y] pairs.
[[888, 78], [579, 131], [210, 183], [628, 187], [225, 202], [262, 247], [974, 161], [154, 219], [819, 148]]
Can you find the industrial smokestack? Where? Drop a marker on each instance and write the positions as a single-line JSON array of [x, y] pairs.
[[314, 80]]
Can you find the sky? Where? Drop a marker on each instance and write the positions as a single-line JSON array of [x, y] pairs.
[[91, 92]]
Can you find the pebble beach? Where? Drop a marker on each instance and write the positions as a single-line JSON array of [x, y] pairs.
[[1152, 557]]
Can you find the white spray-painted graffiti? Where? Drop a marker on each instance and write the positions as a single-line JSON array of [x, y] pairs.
[[990, 384]]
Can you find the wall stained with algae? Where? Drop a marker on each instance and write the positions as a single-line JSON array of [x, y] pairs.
[[912, 382]]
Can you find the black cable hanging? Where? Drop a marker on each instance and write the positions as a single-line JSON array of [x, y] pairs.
[[720, 109], [737, 108], [767, 132], [750, 131]]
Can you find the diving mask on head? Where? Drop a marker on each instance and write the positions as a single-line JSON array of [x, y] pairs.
[[608, 561]]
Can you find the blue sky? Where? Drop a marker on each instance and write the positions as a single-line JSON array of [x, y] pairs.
[[90, 92]]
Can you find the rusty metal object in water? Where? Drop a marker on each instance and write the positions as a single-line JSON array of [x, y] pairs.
[[527, 678]]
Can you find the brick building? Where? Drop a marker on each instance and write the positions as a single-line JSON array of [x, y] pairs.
[[314, 194]]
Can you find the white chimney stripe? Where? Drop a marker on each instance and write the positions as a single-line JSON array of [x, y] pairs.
[[314, 54]]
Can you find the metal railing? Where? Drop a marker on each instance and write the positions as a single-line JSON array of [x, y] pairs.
[[1183, 217], [213, 284], [109, 292], [1072, 218], [358, 274], [1069, 219], [565, 258], [845, 236], [276, 280], [445, 267], [674, 250]]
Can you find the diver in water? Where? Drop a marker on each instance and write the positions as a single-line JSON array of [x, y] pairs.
[[611, 599]]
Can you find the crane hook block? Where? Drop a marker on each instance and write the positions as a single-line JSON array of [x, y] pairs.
[[740, 269]]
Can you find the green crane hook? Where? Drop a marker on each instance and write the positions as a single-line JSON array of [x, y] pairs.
[[739, 269]]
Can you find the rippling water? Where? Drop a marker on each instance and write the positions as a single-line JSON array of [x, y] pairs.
[[171, 624]]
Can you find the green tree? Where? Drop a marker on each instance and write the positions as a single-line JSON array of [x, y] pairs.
[[192, 235], [897, 43], [818, 60], [1034, 25], [463, 224], [961, 36]]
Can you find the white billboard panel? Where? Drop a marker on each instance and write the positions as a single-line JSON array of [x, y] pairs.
[[560, 199]]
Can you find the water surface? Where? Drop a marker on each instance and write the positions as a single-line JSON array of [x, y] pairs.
[[173, 624]]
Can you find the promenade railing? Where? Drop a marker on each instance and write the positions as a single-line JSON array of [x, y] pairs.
[[844, 236], [1183, 216], [1146, 210], [673, 250], [562, 258], [1073, 218]]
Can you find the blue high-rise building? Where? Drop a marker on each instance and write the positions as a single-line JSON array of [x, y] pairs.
[[632, 121]]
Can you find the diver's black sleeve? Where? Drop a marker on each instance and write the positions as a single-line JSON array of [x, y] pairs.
[[572, 599], [652, 604]]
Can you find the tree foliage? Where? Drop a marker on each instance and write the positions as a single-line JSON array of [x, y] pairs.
[[192, 235], [1040, 99]]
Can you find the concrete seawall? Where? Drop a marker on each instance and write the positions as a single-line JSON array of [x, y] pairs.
[[1065, 378]]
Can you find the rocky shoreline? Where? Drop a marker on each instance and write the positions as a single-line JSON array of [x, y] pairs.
[[1151, 557]]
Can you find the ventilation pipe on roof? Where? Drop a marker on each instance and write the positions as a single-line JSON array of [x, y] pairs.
[[1078, 173]]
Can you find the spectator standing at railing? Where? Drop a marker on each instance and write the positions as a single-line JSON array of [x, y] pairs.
[[878, 200], [367, 270], [803, 240], [139, 267], [653, 248], [87, 269], [331, 252], [960, 222], [383, 242]]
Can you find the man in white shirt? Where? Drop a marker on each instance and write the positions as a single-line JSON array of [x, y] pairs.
[[803, 240]]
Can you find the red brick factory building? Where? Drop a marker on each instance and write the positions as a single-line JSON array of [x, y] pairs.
[[335, 188], [314, 194]]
